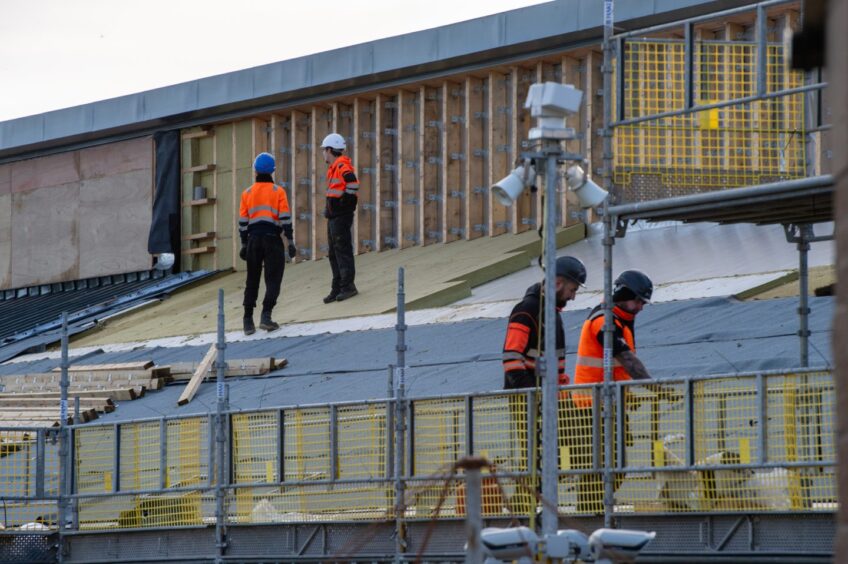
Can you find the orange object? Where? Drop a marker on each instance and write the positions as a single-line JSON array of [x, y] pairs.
[[492, 499], [264, 202], [590, 354], [337, 186]]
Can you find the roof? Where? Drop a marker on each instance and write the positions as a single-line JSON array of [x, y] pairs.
[[415, 56], [674, 339], [806, 200]]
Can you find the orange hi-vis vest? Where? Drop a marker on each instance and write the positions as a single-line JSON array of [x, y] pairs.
[[336, 184], [589, 368], [264, 204]]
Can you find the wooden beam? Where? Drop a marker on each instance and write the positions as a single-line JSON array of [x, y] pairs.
[[431, 155], [199, 168], [301, 179], [476, 185], [235, 367], [524, 209], [322, 125], [142, 365], [368, 178], [119, 394], [453, 157], [570, 74], [408, 169], [499, 160], [199, 374]]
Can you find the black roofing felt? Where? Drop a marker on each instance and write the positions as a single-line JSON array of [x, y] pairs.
[[674, 339]]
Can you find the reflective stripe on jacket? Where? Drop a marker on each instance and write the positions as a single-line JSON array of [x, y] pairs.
[[337, 186], [589, 368], [264, 205], [521, 344]]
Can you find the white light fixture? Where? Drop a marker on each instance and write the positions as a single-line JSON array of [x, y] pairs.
[[509, 188], [588, 193], [165, 261]]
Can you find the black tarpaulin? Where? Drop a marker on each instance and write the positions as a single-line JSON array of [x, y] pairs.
[[164, 234]]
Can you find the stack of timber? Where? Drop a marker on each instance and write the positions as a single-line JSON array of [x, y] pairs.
[[33, 399], [195, 373]]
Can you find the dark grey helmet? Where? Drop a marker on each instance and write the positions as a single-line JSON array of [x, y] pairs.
[[635, 281], [571, 268]]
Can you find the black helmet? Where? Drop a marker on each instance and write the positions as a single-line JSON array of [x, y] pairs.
[[638, 284], [571, 268]]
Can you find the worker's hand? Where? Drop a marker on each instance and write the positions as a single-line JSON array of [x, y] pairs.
[[243, 252], [292, 250]]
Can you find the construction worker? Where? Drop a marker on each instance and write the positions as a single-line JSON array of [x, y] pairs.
[[264, 215], [342, 187], [631, 291], [522, 346]]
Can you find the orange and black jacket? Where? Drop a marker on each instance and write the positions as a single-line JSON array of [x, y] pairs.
[[589, 368], [521, 346], [342, 188], [264, 210]]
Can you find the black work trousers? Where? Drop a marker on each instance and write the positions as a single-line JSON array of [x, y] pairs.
[[340, 251], [267, 251]]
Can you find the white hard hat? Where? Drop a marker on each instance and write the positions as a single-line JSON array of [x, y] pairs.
[[334, 141], [166, 261]]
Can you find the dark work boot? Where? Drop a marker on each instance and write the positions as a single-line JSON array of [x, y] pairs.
[[266, 323], [331, 297], [347, 293], [249, 327]]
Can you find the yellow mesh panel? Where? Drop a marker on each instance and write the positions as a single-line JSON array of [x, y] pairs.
[[255, 447], [175, 509], [17, 463], [140, 456], [188, 453], [94, 458], [319, 502], [361, 432], [439, 434], [307, 444], [726, 147]]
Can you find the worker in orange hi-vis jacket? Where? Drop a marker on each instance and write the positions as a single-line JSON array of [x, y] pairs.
[[523, 345], [342, 188], [264, 215]]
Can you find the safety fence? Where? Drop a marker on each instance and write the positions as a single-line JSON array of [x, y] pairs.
[[742, 144], [750, 443]]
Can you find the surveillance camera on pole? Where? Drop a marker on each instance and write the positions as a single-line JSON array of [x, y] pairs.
[[523, 545]]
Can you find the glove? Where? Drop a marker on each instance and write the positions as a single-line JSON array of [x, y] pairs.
[[243, 252], [292, 250]]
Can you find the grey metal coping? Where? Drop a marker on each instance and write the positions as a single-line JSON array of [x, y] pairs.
[[458, 47], [806, 200]]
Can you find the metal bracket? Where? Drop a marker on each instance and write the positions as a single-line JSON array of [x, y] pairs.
[[411, 201], [410, 164], [304, 181], [305, 146], [323, 248], [285, 151], [481, 115], [504, 224], [389, 167], [368, 135], [305, 217], [304, 251], [434, 160], [390, 105], [457, 156], [368, 170], [390, 131], [368, 243], [456, 194], [368, 207], [528, 221], [804, 232], [434, 198], [504, 110], [480, 227], [457, 231], [434, 123], [345, 113], [479, 190], [503, 148], [390, 241], [437, 235], [283, 184], [457, 119], [411, 128], [413, 238], [390, 204], [482, 153], [620, 228]]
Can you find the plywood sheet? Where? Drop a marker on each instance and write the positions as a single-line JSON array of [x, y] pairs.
[[114, 220], [45, 236], [52, 170], [5, 179], [116, 158], [5, 240]]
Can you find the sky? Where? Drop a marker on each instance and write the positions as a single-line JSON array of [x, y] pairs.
[[62, 53]]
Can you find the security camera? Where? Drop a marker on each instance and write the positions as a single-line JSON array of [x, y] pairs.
[[614, 544], [550, 103], [568, 545], [509, 544], [509, 188]]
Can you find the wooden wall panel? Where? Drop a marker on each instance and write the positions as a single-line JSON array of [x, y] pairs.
[[570, 71], [409, 198], [594, 105], [387, 171], [322, 125], [301, 179], [524, 209], [52, 170], [45, 236], [453, 159], [225, 191], [104, 203], [498, 143], [431, 168], [5, 179], [366, 137], [5, 238], [476, 158]]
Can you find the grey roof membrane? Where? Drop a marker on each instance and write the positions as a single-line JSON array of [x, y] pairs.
[[406, 57], [674, 339]]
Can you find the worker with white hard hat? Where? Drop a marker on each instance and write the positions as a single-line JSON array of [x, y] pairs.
[[342, 187]]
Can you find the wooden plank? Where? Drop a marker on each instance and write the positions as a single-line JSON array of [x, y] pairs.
[[235, 367], [594, 114], [476, 183], [499, 160], [525, 210], [322, 125], [200, 250], [199, 168], [199, 375], [99, 403], [119, 394], [569, 70], [301, 178], [387, 171], [201, 202], [453, 157], [408, 169], [431, 170], [200, 236], [199, 134], [143, 365], [366, 134]]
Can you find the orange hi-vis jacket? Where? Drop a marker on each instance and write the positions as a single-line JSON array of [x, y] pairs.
[[264, 209], [342, 187], [521, 344], [589, 368]]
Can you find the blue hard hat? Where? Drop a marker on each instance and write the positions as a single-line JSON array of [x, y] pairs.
[[264, 163]]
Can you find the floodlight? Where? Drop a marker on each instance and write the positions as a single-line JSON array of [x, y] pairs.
[[588, 193], [509, 188]]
